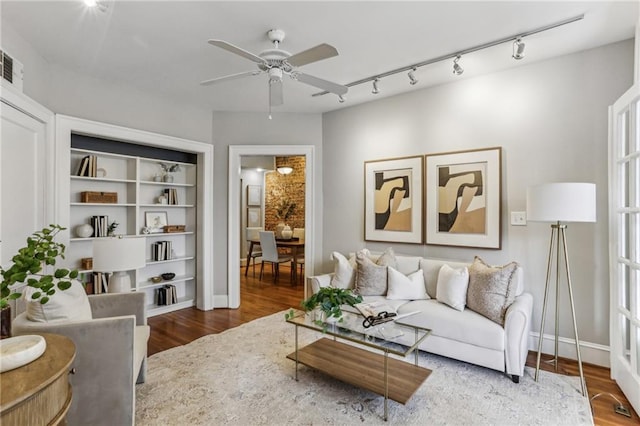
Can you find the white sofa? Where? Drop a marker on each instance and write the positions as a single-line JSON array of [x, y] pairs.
[[463, 335]]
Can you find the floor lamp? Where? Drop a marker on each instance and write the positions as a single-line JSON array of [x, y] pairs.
[[560, 203], [118, 255]]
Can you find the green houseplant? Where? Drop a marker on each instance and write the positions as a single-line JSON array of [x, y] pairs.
[[329, 300], [41, 251]]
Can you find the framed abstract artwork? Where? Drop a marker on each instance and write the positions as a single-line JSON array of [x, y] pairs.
[[253, 195], [464, 198], [254, 217], [394, 199]]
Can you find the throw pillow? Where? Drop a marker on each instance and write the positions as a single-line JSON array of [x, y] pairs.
[[452, 286], [371, 278], [343, 273], [491, 289], [64, 306], [406, 287], [388, 258]]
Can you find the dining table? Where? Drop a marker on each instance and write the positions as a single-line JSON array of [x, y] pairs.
[[297, 249]]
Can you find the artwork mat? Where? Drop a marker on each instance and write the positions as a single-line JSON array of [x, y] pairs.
[[150, 218], [254, 195], [416, 164], [254, 217], [492, 239]]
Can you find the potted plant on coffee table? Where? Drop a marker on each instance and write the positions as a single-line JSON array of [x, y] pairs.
[[329, 301], [41, 251]]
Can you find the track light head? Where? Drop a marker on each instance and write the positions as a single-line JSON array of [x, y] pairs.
[[518, 49], [341, 99], [375, 90], [412, 78], [457, 69]]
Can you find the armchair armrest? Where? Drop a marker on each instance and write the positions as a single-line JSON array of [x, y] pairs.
[[517, 325], [119, 304]]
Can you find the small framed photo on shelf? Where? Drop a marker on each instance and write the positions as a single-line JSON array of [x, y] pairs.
[[155, 222]]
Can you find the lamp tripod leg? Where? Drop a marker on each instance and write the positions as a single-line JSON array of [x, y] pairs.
[[544, 306], [573, 313]]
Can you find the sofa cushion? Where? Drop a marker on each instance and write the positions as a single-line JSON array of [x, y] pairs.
[[344, 273], [491, 289], [431, 269], [407, 287], [140, 338], [371, 278], [466, 326], [64, 306], [452, 286]]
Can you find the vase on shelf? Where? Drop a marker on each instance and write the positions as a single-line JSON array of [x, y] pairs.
[[84, 231], [168, 178]]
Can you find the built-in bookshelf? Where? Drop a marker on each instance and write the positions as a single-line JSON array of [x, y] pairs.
[[135, 191]]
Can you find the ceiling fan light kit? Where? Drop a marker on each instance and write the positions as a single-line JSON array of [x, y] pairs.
[[277, 63]]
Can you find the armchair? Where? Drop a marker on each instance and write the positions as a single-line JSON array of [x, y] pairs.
[[111, 352]]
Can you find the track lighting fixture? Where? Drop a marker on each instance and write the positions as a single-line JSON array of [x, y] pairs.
[[518, 49], [375, 90], [341, 99], [518, 53], [412, 78], [457, 69]]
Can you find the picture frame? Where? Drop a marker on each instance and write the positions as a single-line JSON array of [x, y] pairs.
[[254, 217], [464, 198], [394, 200], [155, 221], [254, 193]]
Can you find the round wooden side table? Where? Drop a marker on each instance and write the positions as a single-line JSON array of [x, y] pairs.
[[39, 393]]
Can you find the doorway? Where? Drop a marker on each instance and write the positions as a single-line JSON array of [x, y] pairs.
[[235, 215]]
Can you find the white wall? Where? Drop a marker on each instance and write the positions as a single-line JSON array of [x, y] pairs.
[[549, 117]]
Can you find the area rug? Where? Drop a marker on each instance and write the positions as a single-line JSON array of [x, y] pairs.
[[241, 377]]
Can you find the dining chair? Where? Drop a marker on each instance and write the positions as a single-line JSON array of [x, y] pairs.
[[271, 255], [253, 234], [299, 234]]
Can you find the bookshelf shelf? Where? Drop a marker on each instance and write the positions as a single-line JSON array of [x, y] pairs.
[[175, 259]]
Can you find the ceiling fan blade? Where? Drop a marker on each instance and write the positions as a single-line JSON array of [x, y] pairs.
[[275, 93], [237, 50], [318, 53], [229, 77], [329, 86]]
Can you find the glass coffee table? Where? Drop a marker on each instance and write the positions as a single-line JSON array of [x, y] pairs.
[[392, 378]]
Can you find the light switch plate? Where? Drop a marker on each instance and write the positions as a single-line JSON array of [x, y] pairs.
[[518, 218]]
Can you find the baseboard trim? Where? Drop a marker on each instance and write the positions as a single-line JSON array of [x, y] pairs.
[[593, 353], [221, 301]]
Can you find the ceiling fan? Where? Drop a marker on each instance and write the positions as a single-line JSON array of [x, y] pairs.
[[277, 63]]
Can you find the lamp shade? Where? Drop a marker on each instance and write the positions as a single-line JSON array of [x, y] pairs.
[[562, 202], [113, 254]]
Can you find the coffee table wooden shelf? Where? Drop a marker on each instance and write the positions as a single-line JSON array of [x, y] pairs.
[[392, 378]]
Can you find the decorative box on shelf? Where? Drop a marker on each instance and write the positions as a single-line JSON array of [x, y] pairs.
[[86, 263], [98, 197], [174, 228]]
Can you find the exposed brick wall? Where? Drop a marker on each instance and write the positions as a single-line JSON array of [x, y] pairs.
[[289, 187]]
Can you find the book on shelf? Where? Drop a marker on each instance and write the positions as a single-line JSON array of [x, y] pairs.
[[161, 250], [88, 166], [100, 225], [171, 194], [166, 295]]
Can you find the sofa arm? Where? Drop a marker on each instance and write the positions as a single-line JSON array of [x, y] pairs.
[[119, 304], [517, 325], [319, 281]]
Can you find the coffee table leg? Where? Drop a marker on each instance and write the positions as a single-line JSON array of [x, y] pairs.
[[386, 384], [296, 353], [417, 350]]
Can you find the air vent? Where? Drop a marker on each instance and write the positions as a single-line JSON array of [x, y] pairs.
[[11, 70]]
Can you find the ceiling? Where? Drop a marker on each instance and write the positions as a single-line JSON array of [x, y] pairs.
[[161, 47]]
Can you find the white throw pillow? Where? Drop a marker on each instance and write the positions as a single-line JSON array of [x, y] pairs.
[[406, 287], [64, 306], [452, 287], [344, 270]]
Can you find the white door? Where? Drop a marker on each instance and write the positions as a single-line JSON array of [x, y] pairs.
[[23, 168], [624, 214]]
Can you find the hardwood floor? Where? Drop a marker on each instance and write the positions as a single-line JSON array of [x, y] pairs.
[[262, 298]]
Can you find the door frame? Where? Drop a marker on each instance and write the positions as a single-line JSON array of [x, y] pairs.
[[624, 372], [234, 218]]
